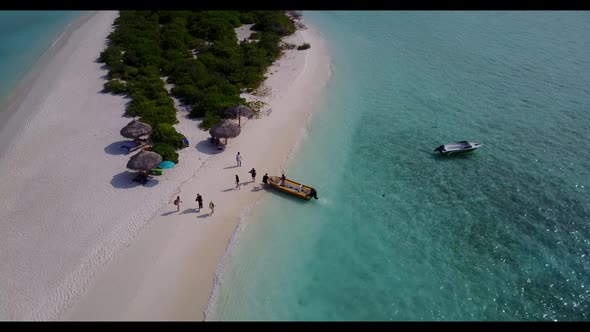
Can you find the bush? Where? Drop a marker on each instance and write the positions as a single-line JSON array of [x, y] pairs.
[[255, 35], [115, 86], [111, 55], [274, 22], [211, 119], [165, 133], [303, 46], [214, 101], [167, 152], [247, 17], [295, 14], [270, 43]]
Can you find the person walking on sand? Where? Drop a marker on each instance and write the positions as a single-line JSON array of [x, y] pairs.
[[237, 182], [200, 201], [265, 178], [253, 172], [211, 207], [239, 160], [177, 202]]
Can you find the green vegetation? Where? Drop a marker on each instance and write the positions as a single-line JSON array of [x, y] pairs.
[[199, 53], [303, 46], [115, 86], [167, 151], [165, 133]]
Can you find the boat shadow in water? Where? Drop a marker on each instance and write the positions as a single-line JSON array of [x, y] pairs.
[[289, 197], [451, 157]]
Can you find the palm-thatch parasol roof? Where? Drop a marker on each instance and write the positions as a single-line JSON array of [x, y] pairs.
[[144, 161], [135, 129], [225, 129], [241, 110]]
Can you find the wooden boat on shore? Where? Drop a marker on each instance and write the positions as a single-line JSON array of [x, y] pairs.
[[293, 188]]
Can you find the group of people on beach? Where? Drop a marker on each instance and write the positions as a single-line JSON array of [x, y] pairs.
[[199, 198], [199, 201]]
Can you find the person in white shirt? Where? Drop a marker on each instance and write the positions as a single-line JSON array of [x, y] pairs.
[[239, 159]]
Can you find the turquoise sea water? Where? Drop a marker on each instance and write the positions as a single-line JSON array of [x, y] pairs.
[[24, 37], [400, 233]]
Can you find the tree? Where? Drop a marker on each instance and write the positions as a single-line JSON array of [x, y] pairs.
[[167, 152], [166, 133], [115, 86]]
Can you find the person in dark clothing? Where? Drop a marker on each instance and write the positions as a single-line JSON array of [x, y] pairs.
[[200, 201], [265, 178], [283, 178], [237, 182], [253, 172], [177, 202]]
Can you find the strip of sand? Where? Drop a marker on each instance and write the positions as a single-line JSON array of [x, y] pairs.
[[168, 272]]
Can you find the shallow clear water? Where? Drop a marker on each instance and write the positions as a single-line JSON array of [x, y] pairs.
[[24, 37], [400, 233]]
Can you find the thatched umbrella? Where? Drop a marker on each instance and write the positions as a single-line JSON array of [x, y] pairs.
[[144, 161], [225, 130], [135, 129], [239, 111]]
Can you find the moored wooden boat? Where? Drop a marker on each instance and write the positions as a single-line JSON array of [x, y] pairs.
[[293, 188]]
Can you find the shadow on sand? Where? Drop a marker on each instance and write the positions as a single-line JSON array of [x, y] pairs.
[[165, 214], [124, 180], [116, 149], [259, 188], [151, 183], [204, 215], [190, 211], [230, 167], [205, 146]]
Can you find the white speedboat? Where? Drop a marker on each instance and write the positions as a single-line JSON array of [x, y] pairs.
[[458, 147]]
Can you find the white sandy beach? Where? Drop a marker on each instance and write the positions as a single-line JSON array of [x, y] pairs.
[[79, 239]]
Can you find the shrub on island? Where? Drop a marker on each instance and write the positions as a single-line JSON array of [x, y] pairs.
[[274, 22], [167, 151], [210, 120], [115, 86], [303, 46], [167, 134]]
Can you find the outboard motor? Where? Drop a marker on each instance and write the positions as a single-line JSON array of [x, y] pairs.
[[313, 193], [439, 149]]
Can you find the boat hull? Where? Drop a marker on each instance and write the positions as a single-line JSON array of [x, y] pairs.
[[458, 148], [459, 152], [291, 187]]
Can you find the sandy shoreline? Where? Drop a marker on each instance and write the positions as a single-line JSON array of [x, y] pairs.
[[83, 242]]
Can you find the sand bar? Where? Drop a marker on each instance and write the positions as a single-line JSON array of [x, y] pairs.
[[168, 273]]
